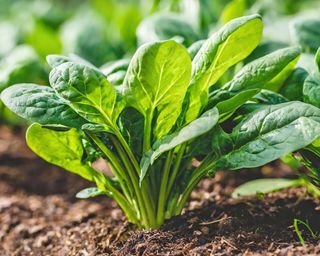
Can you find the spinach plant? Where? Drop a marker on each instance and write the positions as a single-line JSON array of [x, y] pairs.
[[166, 113]]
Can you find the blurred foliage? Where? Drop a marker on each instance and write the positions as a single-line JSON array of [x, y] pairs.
[[104, 31]]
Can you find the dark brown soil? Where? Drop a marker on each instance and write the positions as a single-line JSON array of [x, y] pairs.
[[40, 216]]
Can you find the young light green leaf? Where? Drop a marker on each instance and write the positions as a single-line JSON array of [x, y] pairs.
[[90, 192], [191, 131], [63, 149], [40, 104], [156, 81], [268, 72], [87, 91], [269, 133], [234, 9], [231, 44], [264, 186]]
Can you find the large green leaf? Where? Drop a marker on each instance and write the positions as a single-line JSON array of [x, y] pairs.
[[40, 104], [269, 133], [87, 91], [63, 149], [191, 131], [231, 44], [156, 81], [268, 72]]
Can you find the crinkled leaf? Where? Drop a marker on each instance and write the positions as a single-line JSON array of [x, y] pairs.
[[88, 92], [231, 44], [156, 81], [63, 149], [263, 186], [195, 47], [269, 133], [40, 104]]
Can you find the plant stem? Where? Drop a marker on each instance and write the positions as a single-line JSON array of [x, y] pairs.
[[144, 197], [117, 169], [163, 187], [175, 168]]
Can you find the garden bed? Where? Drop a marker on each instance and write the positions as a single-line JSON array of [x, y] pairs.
[[39, 215]]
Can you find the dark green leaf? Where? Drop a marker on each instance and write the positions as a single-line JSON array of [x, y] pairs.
[[40, 104]]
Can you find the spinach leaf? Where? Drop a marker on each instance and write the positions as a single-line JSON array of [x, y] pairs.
[[271, 132], [157, 81], [87, 91], [63, 149], [40, 104], [231, 44]]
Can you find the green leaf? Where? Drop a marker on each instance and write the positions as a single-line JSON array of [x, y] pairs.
[[269, 97], [87, 91], [40, 104], [55, 60], [191, 131], [22, 65], [263, 186], [156, 81], [164, 26], [195, 47], [269, 133], [307, 33], [231, 44], [63, 149], [232, 10], [115, 66], [268, 72], [90, 192], [293, 86], [311, 89], [227, 107]]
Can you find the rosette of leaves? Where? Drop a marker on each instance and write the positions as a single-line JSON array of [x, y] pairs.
[[162, 117]]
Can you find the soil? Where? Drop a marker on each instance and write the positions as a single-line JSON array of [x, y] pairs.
[[39, 215]]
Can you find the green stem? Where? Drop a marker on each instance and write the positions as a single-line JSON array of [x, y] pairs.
[[175, 168], [144, 197], [163, 187], [123, 203], [117, 168], [147, 132]]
